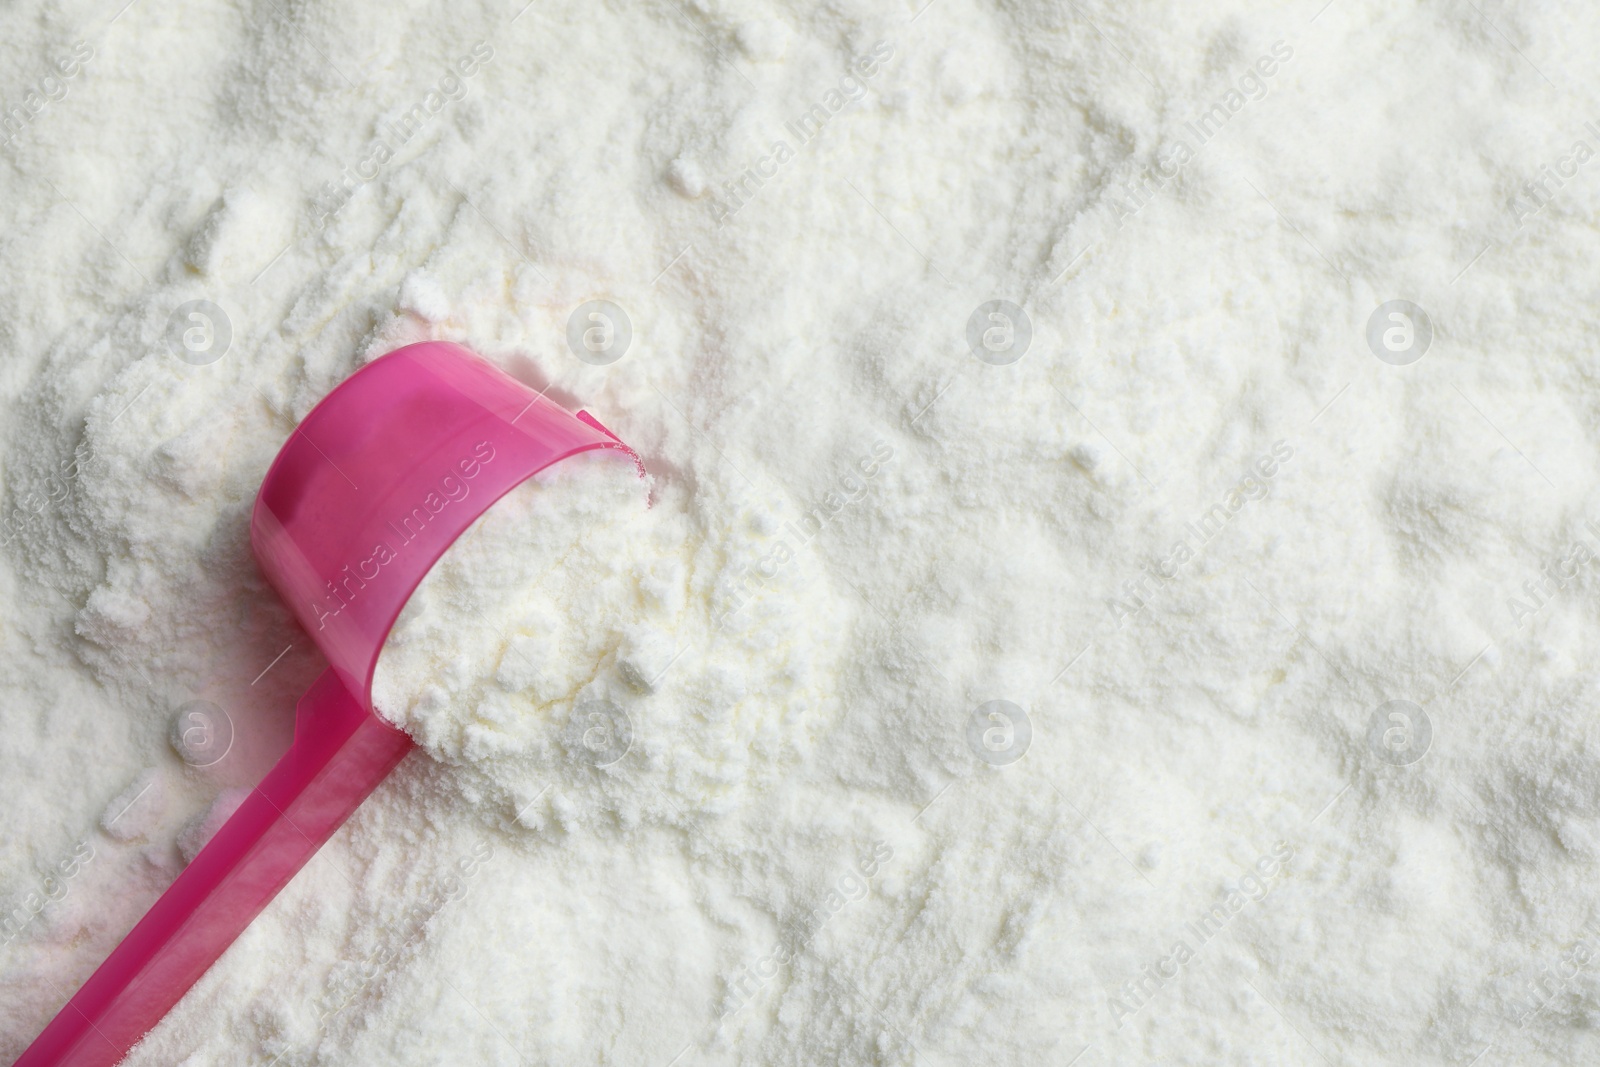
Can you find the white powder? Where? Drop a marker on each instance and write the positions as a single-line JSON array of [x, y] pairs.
[[530, 609], [1203, 856]]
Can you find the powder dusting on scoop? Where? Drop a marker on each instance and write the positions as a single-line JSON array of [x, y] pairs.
[[524, 612]]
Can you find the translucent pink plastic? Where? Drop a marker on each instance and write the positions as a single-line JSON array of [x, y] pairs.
[[370, 490]]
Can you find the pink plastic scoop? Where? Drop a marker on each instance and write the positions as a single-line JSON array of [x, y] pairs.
[[369, 491]]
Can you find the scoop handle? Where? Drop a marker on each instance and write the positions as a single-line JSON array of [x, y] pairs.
[[341, 751]]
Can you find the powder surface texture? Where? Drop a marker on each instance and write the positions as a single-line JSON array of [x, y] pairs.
[[1117, 584]]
